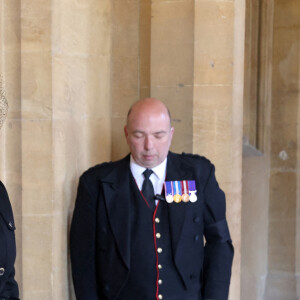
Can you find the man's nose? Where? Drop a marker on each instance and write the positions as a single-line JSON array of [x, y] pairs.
[[148, 144]]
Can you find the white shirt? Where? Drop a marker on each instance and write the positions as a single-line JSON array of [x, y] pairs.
[[157, 177]]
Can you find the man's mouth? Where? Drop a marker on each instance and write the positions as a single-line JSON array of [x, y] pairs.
[[148, 156]]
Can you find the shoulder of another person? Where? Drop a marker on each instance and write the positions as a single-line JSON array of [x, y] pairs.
[[2, 186], [3, 192], [5, 206]]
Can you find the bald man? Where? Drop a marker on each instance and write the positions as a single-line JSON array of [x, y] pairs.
[[152, 225]]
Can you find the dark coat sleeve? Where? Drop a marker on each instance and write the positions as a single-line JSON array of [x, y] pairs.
[[218, 252], [8, 285], [83, 241]]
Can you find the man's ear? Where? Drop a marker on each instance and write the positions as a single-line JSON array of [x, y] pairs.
[[126, 131], [172, 132]]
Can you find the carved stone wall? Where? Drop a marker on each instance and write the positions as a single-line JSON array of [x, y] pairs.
[[270, 214], [72, 68]]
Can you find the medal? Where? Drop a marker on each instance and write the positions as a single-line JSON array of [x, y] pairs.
[[169, 198], [185, 194], [169, 191], [177, 191], [177, 196], [192, 190]]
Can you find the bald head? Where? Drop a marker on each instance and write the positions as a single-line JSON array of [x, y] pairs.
[[148, 132], [148, 106]]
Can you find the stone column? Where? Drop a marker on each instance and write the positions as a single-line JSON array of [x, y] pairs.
[[218, 104], [10, 134], [298, 188], [256, 152], [83, 64], [284, 140], [298, 193], [57, 79], [197, 69], [36, 133], [81, 115], [124, 68], [172, 65]]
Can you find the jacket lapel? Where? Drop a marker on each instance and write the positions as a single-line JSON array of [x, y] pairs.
[[116, 188], [177, 170]]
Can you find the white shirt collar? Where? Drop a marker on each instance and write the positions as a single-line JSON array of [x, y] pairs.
[[159, 171]]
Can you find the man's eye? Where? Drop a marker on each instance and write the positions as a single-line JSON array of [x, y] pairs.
[[138, 135], [159, 135]]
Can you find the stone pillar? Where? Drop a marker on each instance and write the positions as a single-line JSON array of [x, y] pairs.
[[298, 194], [218, 104], [298, 190], [145, 48], [256, 152], [83, 64], [36, 132], [81, 115], [130, 64], [282, 256], [55, 61], [172, 65], [197, 69], [10, 134]]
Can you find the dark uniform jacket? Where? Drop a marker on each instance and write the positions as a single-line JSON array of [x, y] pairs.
[[8, 285], [100, 230]]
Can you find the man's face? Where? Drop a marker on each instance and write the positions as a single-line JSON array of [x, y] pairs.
[[149, 135]]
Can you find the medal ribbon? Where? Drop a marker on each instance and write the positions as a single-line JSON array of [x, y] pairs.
[[177, 188], [184, 187], [168, 188], [191, 185]]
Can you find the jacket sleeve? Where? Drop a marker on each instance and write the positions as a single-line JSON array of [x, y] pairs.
[[218, 252], [8, 284], [11, 287], [83, 243]]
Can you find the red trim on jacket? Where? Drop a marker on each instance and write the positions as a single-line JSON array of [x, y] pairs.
[[155, 247]]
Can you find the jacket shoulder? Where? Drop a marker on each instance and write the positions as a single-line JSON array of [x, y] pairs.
[[102, 170], [195, 160], [98, 170], [5, 206], [90, 180]]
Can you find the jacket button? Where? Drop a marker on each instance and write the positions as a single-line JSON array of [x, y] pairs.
[[157, 220], [160, 296], [10, 224], [2, 271], [159, 250], [196, 238], [197, 219], [158, 235], [106, 287]]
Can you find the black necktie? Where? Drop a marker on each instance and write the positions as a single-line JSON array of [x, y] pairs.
[[147, 189]]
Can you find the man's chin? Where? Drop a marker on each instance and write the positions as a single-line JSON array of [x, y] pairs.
[[149, 162]]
